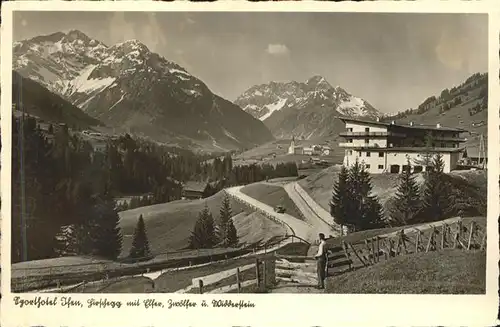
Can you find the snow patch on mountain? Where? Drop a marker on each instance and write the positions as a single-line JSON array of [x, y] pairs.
[[273, 107], [84, 84]]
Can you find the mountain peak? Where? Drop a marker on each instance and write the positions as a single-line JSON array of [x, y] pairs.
[[132, 45], [318, 81]]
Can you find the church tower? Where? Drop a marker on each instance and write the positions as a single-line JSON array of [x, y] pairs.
[[291, 149]]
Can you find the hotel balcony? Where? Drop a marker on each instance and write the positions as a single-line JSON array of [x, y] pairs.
[[357, 145], [371, 134]]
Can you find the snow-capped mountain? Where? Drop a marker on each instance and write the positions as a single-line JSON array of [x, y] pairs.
[[126, 85], [302, 108]]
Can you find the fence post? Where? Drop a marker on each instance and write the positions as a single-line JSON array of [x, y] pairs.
[[369, 250], [378, 248], [417, 241], [443, 232], [429, 242], [200, 285], [257, 273], [372, 241], [238, 279], [470, 234], [403, 241], [398, 244], [264, 274], [483, 241], [344, 247], [357, 255]]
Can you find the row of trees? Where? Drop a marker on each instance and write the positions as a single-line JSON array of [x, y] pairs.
[[208, 233], [62, 196], [63, 190]]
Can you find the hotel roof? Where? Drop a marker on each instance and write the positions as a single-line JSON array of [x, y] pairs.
[[415, 126]]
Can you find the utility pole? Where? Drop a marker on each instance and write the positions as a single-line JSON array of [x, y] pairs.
[[21, 147], [482, 151]]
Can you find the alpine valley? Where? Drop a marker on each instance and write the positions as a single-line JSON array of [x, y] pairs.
[[131, 89]]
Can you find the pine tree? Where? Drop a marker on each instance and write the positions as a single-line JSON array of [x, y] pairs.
[[340, 197], [231, 235], [407, 200], [364, 210], [426, 160], [224, 217], [203, 236], [106, 238], [436, 191], [140, 244]]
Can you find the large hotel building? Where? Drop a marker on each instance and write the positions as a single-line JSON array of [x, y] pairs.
[[386, 147]]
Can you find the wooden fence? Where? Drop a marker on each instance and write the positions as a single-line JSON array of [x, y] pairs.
[[255, 278], [449, 234]]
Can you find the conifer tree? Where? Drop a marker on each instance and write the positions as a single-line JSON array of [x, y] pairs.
[[364, 210], [203, 235], [231, 235], [140, 244], [435, 195], [105, 230], [224, 217], [340, 197], [407, 200]]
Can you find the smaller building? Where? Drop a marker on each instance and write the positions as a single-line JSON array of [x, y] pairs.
[[194, 190], [474, 157], [308, 151]]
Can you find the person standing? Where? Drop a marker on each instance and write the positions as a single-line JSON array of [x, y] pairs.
[[321, 258]]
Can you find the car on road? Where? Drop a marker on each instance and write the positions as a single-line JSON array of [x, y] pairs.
[[279, 209]]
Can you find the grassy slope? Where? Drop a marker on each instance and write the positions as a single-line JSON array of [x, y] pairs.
[[449, 271], [457, 116], [169, 225], [320, 185], [273, 196]]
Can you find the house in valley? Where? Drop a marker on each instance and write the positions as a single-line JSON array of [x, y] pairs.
[[194, 190]]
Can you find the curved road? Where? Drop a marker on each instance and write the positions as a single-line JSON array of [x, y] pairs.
[[315, 215], [298, 227]]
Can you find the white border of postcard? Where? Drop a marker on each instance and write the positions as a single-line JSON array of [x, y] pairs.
[[277, 309]]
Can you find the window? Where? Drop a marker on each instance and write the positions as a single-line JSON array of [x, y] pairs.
[[350, 152], [417, 169], [367, 166], [367, 141], [367, 129], [349, 129], [443, 145], [349, 141], [380, 166], [381, 154], [368, 154]]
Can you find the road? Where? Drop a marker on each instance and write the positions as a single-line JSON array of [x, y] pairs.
[[296, 226], [315, 215]]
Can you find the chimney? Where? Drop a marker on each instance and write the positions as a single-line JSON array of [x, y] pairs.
[[393, 122], [378, 118], [438, 125]]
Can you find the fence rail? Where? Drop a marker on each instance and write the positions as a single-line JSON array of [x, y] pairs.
[[448, 234], [261, 274], [58, 280]]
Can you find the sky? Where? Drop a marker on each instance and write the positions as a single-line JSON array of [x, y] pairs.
[[392, 60]]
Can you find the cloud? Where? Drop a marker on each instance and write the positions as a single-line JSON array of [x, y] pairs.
[[277, 49], [451, 50]]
